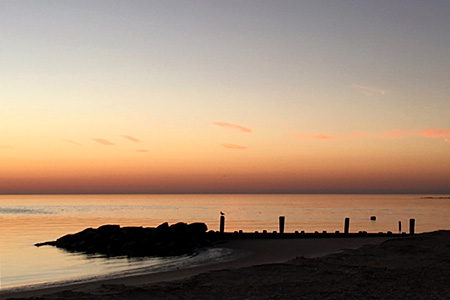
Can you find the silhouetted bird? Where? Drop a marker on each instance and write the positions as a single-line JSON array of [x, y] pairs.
[[222, 213]]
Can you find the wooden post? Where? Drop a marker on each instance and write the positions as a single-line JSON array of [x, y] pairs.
[[222, 224], [412, 223], [282, 224], [399, 226], [347, 225]]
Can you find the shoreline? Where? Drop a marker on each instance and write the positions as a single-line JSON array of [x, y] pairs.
[[249, 253]]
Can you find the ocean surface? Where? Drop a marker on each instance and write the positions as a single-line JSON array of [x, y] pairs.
[[29, 219]]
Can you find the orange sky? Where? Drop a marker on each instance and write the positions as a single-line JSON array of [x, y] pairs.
[[391, 165], [183, 97]]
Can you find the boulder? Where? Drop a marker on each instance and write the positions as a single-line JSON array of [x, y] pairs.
[[197, 229], [113, 240]]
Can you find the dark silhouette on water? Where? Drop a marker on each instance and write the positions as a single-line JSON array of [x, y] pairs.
[[113, 240], [177, 239]]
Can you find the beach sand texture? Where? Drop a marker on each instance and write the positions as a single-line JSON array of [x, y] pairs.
[[412, 267]]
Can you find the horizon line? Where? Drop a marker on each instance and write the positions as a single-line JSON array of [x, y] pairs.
[[231, 193]]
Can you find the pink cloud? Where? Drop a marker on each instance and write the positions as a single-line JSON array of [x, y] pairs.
[[103, 141], [447, 140], [142, 150], [436, 132], [131, 138], [427, 132], [235, 147], [392, 134], [235, 126]]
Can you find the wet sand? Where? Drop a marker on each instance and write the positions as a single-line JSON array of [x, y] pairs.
[[413, 267]]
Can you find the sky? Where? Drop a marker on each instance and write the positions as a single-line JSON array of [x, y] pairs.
[[224, 96]]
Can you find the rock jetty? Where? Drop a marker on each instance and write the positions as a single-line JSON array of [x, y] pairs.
[[113, 240]]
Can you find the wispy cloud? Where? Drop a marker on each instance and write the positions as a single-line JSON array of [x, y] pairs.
[[427, 132], [6, 147], [234, 147], [368, 90], [392, 134], [436, 132], [142, 150], [103, 141], [235, 126], [447, 140], [73, 143], [131, 138]]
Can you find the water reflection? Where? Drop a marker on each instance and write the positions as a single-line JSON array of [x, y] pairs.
[[26, 220]]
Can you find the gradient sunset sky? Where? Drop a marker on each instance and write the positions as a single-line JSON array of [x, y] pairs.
[[225, 96]]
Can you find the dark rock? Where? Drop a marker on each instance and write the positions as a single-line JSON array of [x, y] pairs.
[[107, 228], [197, 228], [178, 228], [113, 240], [46, 244], [163, 227]]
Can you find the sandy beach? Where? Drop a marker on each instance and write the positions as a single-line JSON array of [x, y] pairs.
[[411, 267]]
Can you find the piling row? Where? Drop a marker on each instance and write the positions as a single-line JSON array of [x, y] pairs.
[[282, 220]]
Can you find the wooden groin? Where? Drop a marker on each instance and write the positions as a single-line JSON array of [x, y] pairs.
[[296, 235], [281, 234]]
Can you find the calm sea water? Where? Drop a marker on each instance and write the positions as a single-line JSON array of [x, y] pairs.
[[26, 220]]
